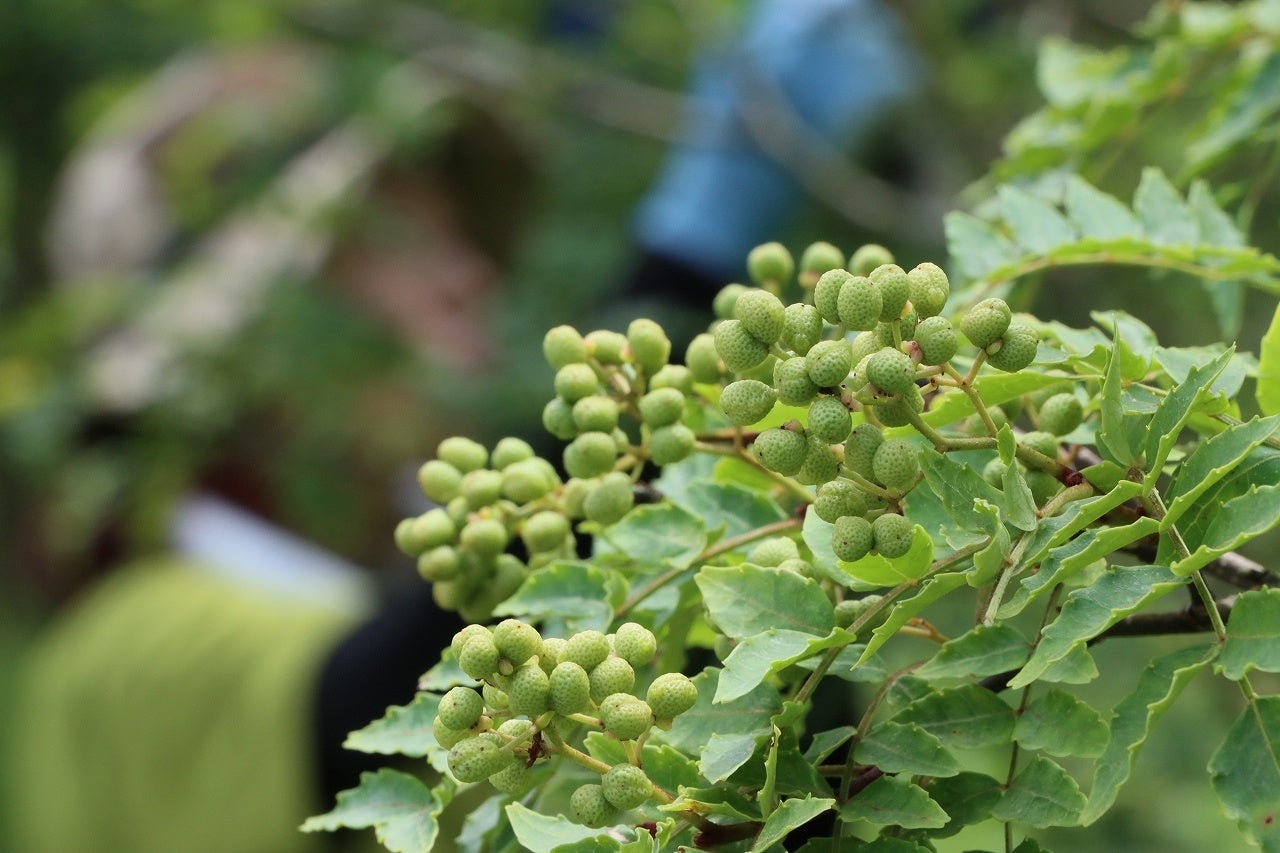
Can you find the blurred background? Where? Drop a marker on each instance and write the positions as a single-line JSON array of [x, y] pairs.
[[257, 259]]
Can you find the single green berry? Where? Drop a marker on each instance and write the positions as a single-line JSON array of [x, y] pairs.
[[485, 537], [725, 300], [1061, 413], [1043, 486], [738, 349], [816, 259], [868, 257], [904, 328], [515, 779], [481, 488], [552, 649], [517, 641], [588, 806], [820, 465], [557, 419], [466, 635], [773, 551], [650, 346], [892, 534], [671, 444], [851, 538], [761, 313], [770, 263], [569, 688], [575, 381], [476, 759], [587, 649], [859, 303], [447, 737], [895, 290], [439, 564], [829, 362], [671, 694], [986, 322], [929, 289], [860, 447], [661, 407], [596, 413], [891, 370], [993, 472], [837, 499], [495, 698], [801, 327], [675, 376], [564, 345], [826, 294], [937, 340], [459, 511], [510, 450], [626, 717], [1042, 442], [530, 690], [703, 359], [747, 401], [527, 480], [634, 643], [610, 499], [852, 609], [897, 413], [544, 531], [611, 675], [462, 453], [429, 530], [590, 455], [439, 481], [781, 451], [626, 786], [896, 463], [864, 344], [829, 420], [460, 708], [607, 347], [479, 657], [1017, 349], [791, 379]]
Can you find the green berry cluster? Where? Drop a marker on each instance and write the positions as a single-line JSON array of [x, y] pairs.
[[533, 690]]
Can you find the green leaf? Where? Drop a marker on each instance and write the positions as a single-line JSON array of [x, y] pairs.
[[1167, 423], [959, 486], [1165, 217], [721, 800], [744, 600], [656, 535], [1113, 437], [984, 650], [757, 656], [1245, 772], [1060, 724], [930, 591], [576, 593], [825, 743], [482, 821], [789, 815], [669, 768], [976, 247], [1242, 118], [994, 389], [724, 754], [1078, 667], [403, 730], [1213, 459], [734, 508], [1019, 505], [1042, 795], [1268, 388], [893, 801], [1087, 612], [1252, 632], [1133, 718], [1071, 74], [401, 810], [967, 798], [905, 748], [881, 571], [539, 833], [1098, 215], [1037, 226], [965, 717], [1216, 227], [1236, 522], [749, 714]]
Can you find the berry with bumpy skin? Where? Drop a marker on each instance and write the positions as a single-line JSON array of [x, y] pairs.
[[820, 465], [671, 444], [527, 480], [650, 346], [937, 340], [479, 657], [828, 362], [447, 737], [891, 370], [826, 294], [770, 263], [896, 463], [746, 401], [612, 675], [596, 413], [517, 641], [791, 379], [892, 534], [484, 537], [773, 551], [481, 488], [552, 649], [495, 698], [781, 451], [587, 649], [462, 453], [993, 472], [661, 407], [895, 414], [530, 690], [575, 381], [509, 451], [610, 499], [564, 345], [439, 480], [859, 303], [460, 708], [985, 322], [671, 694], [837, 499], [895, 290], [816, 259], [868, 257], [626, 786], [738, 348], [634, 643], [675, 376], [801, 327], [588, 806], [439, 564], [515, 779], [590, 455], [569, 688], [1060, 414], [725, 299], [829, 420], [761, 313], [626, 717], [1044, 443], [544, 531], [476, 759], [929, 289], [1043, 486], [466, 635], [607, 347], [860, 448], [848, 611], [703, 359], [557, 419], [1017, 349], [851, 538]]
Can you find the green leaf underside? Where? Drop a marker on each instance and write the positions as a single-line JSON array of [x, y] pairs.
[[1245, 772], [759, 655], [1252, 634], [539, 833], [401, 810], [1060, 724], [984, 650], [724, 754], [959, 486], [1042, 795], [732, 508], [402, 730], [656, 535], [894, 801], [905, 748], [748, 714], [789, 815], [746, 600], [965, 717], [576, 593]]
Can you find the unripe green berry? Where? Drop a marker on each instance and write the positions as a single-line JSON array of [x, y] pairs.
[[1045, 443], [851, 538], [993, 472], [868, 257], [485, 537], [515, 779], [816, 259], [530, 690], [439, 480], [1043, 486], [859, 303], [466, 635], [747, 401], [429, 530], [837, 499], [569, 688], [801, 327], [819, 465], [895, 290], [611, 675], [671, 694], [476, 759], [738, 349], [791, 379], [495, 698], [773, 551], [675, 376], [725, 300], [1061, 413], [650, 346], [626, 786], [510, 450], [892, 534], [597, 413], [544, 531], [479, 657], [557, 419], [481, 488], [564, 345], [1017, 349], [896, 463], [829, 362], [826, 294], [462, 453], [587, 649], [770, 263], [860, 448], [526, 481], [588, 806], [895, 414], [460, 708], [517, 641], [626, 717], [937, 340], [703, 359], [929, 289], [849, 611], [761, 313], [590, 455], [985, 322], [781, 451], [671, 444], [661, 407], [439, 564], [829, 420], [610, 499], [634, 643], [891, 370], [447, 737], [552, 649], [606, 346], [575, 381]]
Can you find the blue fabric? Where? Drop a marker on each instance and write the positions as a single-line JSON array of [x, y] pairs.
[[838, 62]]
